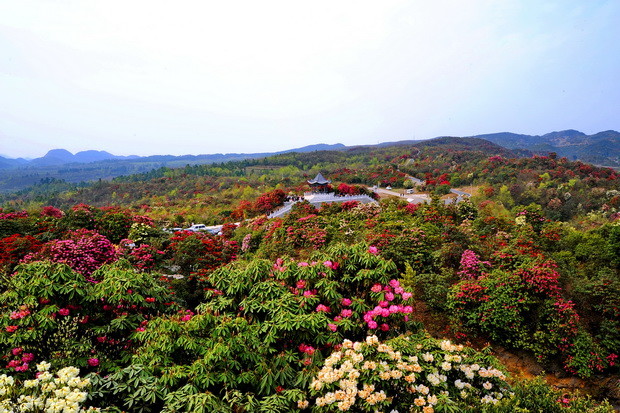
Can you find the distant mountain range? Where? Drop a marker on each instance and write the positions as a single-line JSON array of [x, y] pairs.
[[602, 148], [56, 157], [16, 174]]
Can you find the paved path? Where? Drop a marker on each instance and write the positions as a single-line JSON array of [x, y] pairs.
[[318, 199]]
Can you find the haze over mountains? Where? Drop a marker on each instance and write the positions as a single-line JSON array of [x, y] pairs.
[[602, 148]]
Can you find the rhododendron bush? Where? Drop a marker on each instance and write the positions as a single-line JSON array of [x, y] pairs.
[[525, 309], [48, 311], [198, 253], [409, 373], [265, 326], [83, 250], [14, 248]]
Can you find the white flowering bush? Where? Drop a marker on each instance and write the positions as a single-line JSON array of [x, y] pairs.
[[408, 373], [47, 393]]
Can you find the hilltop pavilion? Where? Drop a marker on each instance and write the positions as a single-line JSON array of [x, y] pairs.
[[319, 184]]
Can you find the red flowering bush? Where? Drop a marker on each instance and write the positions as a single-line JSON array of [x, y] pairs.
[[52, 212], [14, 248], [198, 253], [307, 231], [524, 309], [143, 257], [269, 201]]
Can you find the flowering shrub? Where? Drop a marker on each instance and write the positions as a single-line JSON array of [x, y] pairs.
[[410, 245], [470, 265], [524, 309], [16, 223], [50, 312], [200, 253], [114, 225], [83, 250], [52, 212], [14, 248], [143, 233], [268, 201], [143, 257], [411, 373], [63, 392], [265, 326], [307, 231]]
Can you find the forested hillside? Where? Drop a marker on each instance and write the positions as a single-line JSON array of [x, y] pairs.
[[387, 306]]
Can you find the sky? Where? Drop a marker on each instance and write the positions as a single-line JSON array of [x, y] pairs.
[[200, 77]]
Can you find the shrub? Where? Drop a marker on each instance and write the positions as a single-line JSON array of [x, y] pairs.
[[83, 250], [50, 312], [63, 392], [410, 373]]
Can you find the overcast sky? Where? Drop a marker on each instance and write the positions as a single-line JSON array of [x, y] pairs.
[[164, 77]]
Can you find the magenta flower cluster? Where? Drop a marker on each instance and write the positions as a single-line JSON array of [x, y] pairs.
[[83, 250], [471, 265], [377, 317], [20, 364]]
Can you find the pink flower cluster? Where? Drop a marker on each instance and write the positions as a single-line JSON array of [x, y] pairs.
[[331, 265], [84, 251], [470, 265], [20, 364], [304, 348], [385, 309], [245, 244], [278, 266], [16, 315], [187, 315], [322, 308]]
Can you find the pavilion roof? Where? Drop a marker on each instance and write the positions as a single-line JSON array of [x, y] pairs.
[[319, 180]]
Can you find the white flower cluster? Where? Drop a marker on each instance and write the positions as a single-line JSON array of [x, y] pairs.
[[45, 393], [348, 377]]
